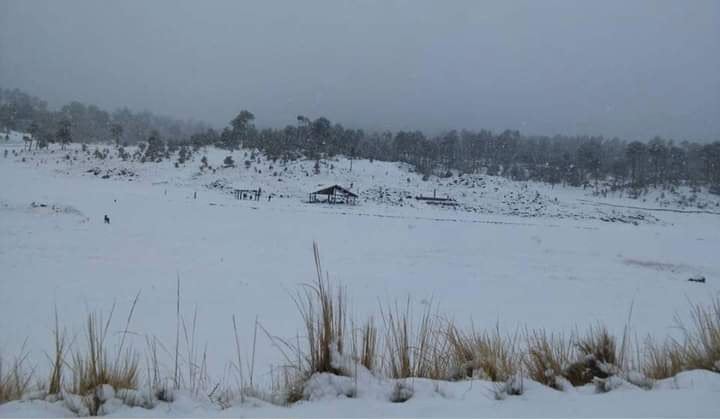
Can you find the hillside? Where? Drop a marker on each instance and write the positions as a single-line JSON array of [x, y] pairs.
[[509, 255]]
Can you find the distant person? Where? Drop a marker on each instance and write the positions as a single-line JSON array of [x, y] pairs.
[[107, 219]]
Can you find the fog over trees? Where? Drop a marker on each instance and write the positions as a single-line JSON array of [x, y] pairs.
[[571, 160]]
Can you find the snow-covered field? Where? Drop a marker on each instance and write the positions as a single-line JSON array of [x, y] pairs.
[[510, 254]]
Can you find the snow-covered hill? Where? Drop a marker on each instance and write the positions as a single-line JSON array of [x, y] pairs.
[[509, 255], [384, 186]]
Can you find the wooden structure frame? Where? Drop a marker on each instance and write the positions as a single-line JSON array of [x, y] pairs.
[[251, 194], [334, 194], [434, 200]]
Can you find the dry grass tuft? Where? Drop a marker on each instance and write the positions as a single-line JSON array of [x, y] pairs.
[[599, 345], [597, 357], [414, 350], [93, 368], [287, 385], [702, 348], [662, 360], [369, 345], [323, 312], [58, 361], [324, 317], [15, 379], [160, 387], [196, 362], [547, 357], [365, 352], [485, 355]]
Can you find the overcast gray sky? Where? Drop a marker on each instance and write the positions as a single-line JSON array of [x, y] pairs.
[[632, 69]]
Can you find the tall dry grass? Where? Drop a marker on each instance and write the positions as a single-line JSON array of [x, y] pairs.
[[323, 313], [55, 383], [368, 346], [160, 385], [324, 317], [15, 377], [414, 348], [93, 367], [699, 347], [662, 360], [702, 337]]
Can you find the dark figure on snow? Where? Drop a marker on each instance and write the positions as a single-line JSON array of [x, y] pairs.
[[107, 219]]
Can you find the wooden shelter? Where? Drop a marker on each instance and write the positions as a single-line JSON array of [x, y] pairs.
[[251, 194], [334, 194]]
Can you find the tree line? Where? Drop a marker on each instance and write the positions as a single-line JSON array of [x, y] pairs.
[[570, 160], [78, 122]]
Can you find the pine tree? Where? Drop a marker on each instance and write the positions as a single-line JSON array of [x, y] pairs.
[[155, 148], [116, 130], [64, 135]]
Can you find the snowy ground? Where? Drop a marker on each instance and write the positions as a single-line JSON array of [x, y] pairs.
[[513, 254], [690, 394]]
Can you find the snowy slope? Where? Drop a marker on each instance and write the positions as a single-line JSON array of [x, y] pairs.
[[513, 254]]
